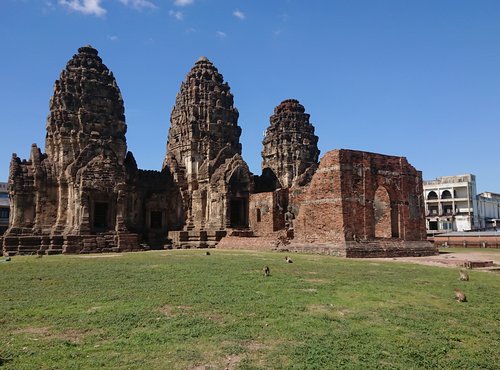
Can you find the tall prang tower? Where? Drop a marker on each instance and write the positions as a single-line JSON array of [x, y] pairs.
[[85, 193], [86, 105], [290, 147], [78, 186], [203, 145], [204, 123]]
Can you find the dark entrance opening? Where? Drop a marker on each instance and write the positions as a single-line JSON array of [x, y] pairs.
[[238, 193], [394, 220], [101, 216], [156, 220], [239, 212]]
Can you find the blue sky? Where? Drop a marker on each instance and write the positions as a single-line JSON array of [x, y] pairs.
[[416, 78]]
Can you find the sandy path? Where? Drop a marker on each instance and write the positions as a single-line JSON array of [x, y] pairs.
[[451, 259]]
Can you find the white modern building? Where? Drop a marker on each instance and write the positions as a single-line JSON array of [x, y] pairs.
[[4, 207], [489, 210], [452, 204]]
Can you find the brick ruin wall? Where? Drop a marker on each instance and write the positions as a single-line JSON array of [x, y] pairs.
[[266, 212], [360, 201]]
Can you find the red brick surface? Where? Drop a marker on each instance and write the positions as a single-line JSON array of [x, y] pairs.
[[266, 211], [339, 203]]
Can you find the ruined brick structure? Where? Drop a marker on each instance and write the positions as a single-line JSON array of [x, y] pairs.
[[289, 159], [363, 204], [86, 194]]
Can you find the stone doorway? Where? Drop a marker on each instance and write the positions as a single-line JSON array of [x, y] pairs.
[[386, 216], [238, 194], [239, 212], [156, 220], [101, 216]]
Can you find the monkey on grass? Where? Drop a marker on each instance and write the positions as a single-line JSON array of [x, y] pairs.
[[464, 276], [460, 296], [266, 271]]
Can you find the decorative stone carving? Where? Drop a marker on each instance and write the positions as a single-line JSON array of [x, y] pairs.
[[85, 193], [204, 155], [290, 145], [204, 129], [86, 108]]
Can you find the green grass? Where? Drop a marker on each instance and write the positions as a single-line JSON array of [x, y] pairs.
[[183, 309]]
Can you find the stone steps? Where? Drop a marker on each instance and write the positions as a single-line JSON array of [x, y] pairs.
[[55, 244], [243, 233], [195, 238]]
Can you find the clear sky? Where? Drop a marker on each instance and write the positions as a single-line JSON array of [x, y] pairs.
[[416, 78]]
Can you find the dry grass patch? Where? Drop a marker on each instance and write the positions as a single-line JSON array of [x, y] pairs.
[[41, 331], [46, 333], [310, 290], [92, 256], [169, 310], [254, 346], [320, 308], [319, 281], [230, 363], [327, 309], [71, 335], [216, 318], [93, 309]]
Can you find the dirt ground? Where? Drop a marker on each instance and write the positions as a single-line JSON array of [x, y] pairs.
[[454, 258]]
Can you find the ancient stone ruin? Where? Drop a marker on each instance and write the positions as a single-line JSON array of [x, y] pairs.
[[290, 146], [85, 193], [204, 155]]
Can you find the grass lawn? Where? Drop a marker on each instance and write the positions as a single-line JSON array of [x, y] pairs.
[[470, 250], [182, 309]]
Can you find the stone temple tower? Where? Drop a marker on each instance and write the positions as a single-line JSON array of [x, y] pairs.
[[204, 142], [204, 122], [290, 145], [78, 186], [86, 105], [86, 192]]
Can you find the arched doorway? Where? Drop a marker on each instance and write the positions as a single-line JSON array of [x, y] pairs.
[[386, 216]]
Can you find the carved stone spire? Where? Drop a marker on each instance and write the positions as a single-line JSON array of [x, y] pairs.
[[204, 123], [290, 145], [87, 104]]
